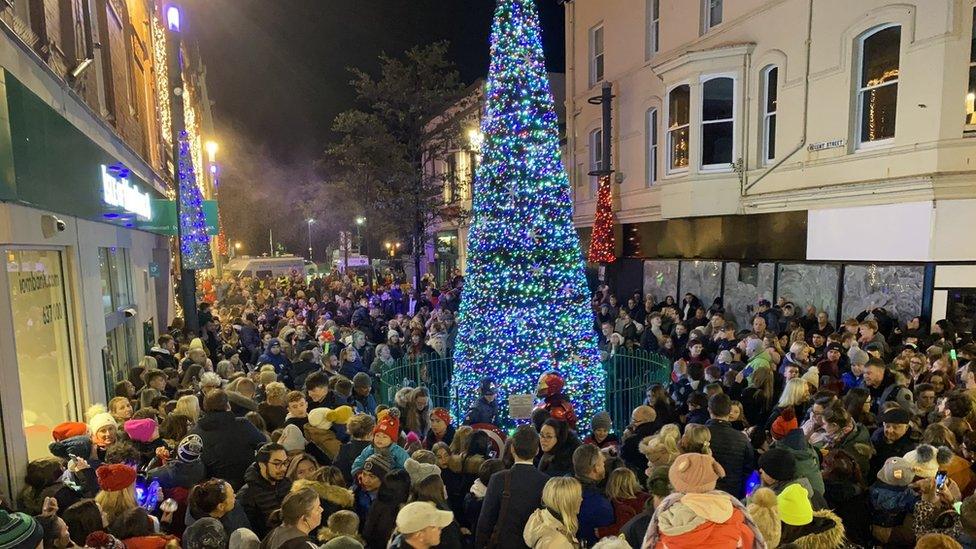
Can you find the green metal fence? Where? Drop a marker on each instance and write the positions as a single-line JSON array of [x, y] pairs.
[[628, 375]]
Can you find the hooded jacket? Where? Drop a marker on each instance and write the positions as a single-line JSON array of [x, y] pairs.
[[713, 519], [324, 439], [260, 498], [761, 360], [544, 531], [396, 453], [279, 361], [229, 444], [825, 532], [333, 498], [807, 458]]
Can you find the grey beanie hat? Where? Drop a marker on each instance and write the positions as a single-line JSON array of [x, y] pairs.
[[857, 356], [601, 420], [362, 379], [419, 471], [206, 533], [242, 538]]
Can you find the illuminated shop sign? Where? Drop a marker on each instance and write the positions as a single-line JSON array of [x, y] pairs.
[[118, 191]]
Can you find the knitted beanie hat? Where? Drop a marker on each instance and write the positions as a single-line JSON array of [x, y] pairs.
[[784, 423], [794, 506], [102, 540], [99, 421], [601, 420], [206, 533], [292, 439], [926, 459], [19, 531], [897, 472], [189, 448], [69, 429], [141, 430], [390, 426], [115, 477], [695, 473], [441, 414], [778, 463], [762, 509], [378, 465], [419, 471]]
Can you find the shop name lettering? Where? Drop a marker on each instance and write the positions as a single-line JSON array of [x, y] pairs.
[[120, 193], [36, 282]]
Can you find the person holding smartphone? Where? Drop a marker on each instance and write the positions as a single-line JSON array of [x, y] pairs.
[[935, 512]]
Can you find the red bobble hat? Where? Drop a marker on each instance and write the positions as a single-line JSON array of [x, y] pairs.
[[390, 426], [784, 423], [69, 429], [442, 414], [115, 477]]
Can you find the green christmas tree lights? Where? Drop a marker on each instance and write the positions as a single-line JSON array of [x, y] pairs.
[[525, 307]]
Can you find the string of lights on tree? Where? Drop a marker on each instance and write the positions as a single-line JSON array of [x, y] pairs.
[[601, 240], [194, 242], [524, 307]]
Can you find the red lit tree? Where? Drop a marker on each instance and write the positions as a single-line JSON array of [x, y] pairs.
[[601, 240]]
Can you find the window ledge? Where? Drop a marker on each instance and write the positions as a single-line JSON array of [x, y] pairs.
[[874, 145]]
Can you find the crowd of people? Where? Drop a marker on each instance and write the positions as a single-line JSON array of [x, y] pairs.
[[265, 429]]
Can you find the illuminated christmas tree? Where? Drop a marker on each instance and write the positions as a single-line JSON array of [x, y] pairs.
[[601, 241], [194, 241], [525, 306]]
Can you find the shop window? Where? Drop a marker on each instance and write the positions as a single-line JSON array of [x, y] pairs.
[[596, 55], [961, 309], [971, 94], [679, 101], [651, 147], [43, 344], [718, 122], [770, 76], [116, 280], [653, 28], [877, 91]]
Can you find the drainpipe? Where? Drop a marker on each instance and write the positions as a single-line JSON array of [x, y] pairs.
[[571, 91], [742, 164], [806, 108]]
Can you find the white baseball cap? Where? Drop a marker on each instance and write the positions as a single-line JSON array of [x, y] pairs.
[[416, 516]]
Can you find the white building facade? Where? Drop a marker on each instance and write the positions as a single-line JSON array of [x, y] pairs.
[[819, 151]]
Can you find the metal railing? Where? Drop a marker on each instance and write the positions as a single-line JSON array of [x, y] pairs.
[[628, 375]]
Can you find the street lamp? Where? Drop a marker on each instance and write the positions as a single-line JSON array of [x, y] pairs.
[[360, 220], [238, 245], [310, 221], [392, 247], [212, 148]]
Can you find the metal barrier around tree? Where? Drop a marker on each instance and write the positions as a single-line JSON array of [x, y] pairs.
[[628, 375]]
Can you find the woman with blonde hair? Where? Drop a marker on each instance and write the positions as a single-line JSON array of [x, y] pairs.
[[117, 490], [189, 406], [627, 498], [796, 394], [697, 440], [661, 448], [121, 409], [554, 525], [274, 409]]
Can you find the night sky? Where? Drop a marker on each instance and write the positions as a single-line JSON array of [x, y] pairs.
[[276, 72]]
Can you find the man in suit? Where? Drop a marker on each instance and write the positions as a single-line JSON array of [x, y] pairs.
[[502, 516]]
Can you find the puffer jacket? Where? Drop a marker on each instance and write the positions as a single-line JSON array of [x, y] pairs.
[[713, 519], [825, 532], [260, 498], [890, 504], [761, 360], [807, 458], [325, 439], [544, 531]]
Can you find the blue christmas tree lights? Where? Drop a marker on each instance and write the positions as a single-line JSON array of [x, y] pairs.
[[525, 307], [194, 241]]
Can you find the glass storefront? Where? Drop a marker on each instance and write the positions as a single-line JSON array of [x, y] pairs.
[[121, 350], [43, 343]]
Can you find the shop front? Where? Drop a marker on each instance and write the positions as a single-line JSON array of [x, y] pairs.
[[84, 273]]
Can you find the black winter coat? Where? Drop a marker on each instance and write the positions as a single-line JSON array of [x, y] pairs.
[[526, 495], [347, 455], [630, 450], [560, 462], [734, 452], [229, 444], [260, 498]]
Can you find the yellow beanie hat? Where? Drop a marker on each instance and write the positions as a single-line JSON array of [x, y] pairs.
[[794, 506]]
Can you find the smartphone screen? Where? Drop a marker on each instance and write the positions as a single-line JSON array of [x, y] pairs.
[[940, 479]]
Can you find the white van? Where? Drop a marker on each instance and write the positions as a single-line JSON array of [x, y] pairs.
[[263, 267]]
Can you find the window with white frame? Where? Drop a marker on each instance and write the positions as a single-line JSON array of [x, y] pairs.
[[971, 92], [596, 55], [770, 78], [596, 158], [679, 111], [651, 147], [717, 122], [879, 53], [712, 10], [653, 28]]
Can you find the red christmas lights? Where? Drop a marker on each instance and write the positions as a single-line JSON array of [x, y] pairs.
[[601, 241]]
